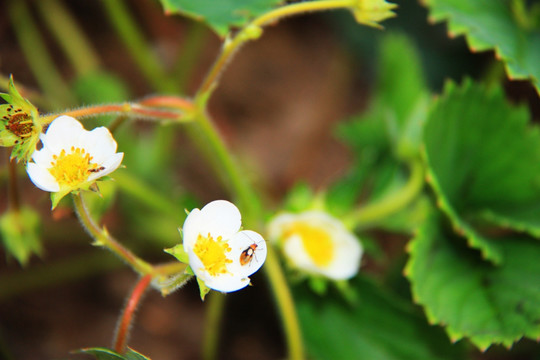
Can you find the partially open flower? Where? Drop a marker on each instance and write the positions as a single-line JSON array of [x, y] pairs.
[[19, 124], [72, 158], [220, 255], [317, 243]]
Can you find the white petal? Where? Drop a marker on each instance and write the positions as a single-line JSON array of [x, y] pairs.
[[296, 253], [240, 243], [278, 225], [346, 261], [191, 229], [42, 178], [347, 248], [62, 133], [111, 164], [99, 143], [227, 283], [223, 282], [221, 218], [43, 157]]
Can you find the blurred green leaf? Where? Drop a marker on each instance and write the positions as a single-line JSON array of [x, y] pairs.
[[100, 87], [108, 354], [389, 132], [483, 158], [220, 15], [20, 233], [493, 25], [472, 298], [379, 326]]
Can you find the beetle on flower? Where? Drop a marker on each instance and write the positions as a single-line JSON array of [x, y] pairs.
[[220, 255], [72, 158]]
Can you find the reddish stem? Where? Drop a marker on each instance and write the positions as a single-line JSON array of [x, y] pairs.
[[168, 101], [122, 332]]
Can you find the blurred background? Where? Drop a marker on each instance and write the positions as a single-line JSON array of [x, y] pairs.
[[277, 106]]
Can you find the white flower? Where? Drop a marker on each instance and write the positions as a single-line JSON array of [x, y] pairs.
[[219, 253], [317, 243], [72, 158]]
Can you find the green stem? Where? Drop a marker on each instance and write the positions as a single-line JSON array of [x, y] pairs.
[[235, 180], [253, 30], [37, 56], [69, 36], [214, 315], [284, 299], [128, 31], [103, 238], [392, 203]]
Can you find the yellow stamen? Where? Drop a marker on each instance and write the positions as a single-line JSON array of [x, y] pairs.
[[72, 169], [317, 242], [212, 252]]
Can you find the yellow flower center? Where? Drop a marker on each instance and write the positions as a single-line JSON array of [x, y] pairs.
[[317, 242], [72, 169], [211, 251]]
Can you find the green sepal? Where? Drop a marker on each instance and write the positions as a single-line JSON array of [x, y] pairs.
[[179, 253], [57, 196], [318, 284], [101, 353], [19, 124], [20, 233], [372, 12], [189, 271], [204, 290]]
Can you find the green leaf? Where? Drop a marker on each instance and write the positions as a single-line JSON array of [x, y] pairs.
[[378, 326], [483, 157], [389, 132], [220, 15], [486, 303], [107, 354], [20, 233], [493, 25]]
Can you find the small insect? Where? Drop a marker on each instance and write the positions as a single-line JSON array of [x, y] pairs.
[[101, 168], [247, 255]]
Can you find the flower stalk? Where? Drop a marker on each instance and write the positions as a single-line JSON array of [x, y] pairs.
[[124, 326], [133, 110], [102, 237]]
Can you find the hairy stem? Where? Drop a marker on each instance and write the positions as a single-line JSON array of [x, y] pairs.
[[103, 238], [253, 30], [129, 109], [124, 326]]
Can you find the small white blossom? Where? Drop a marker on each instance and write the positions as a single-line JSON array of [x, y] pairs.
[[221, 255], [71, 157], [317, 243]]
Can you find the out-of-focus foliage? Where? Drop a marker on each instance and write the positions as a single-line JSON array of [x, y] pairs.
[[484, 163], [221, 15], [471, 297], [509, 27], [378, 325]]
